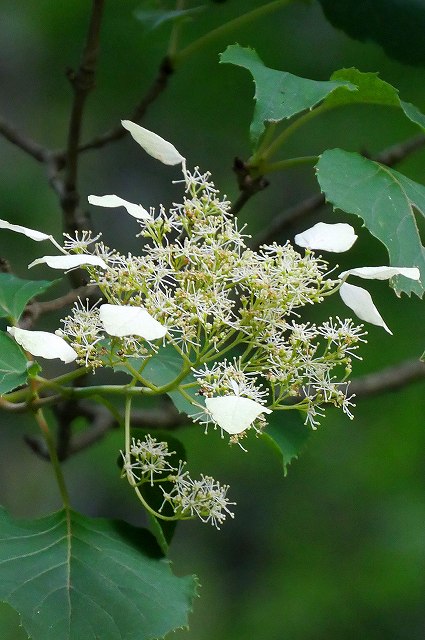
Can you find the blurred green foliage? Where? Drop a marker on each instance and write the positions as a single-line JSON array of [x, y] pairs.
[[334, 550]]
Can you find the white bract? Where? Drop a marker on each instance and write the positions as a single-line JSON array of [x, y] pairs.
[[113, 201], [360, 301], [122, 320], [234, 414], [153, 144], [382, 273], [30, 233], [70, 261], [337, 237], [43, 344]]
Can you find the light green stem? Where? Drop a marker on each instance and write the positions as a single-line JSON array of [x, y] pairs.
[[127, 427], [290, 130], [287, 164], [227, 27], [42, 423], [175, 31]]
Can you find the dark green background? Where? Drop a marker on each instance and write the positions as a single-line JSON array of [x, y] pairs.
[[336, 549]]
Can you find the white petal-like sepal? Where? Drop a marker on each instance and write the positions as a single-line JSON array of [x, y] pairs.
[[360, 301], [30, 233], [153, 144], [234, 414], [382, 273], [43, 344], [337, 237], [122, 320], [112, 201], [70, 261]]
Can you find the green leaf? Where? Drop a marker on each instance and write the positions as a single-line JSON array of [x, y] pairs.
[[279, 95], [10, 628], [13, 364], [15, 293], [371, 90], [385, 200], [397, 25], [152, 18], [73, 578], [286, 434]]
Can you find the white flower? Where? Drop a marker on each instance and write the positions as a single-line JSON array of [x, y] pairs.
[[70, 261], [233, 413], [112, 201], [153, 144], [122, 320], [328, 237], [43, 344], [360, 301]]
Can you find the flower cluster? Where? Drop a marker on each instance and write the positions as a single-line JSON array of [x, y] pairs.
[[233, 316], [147, 461]]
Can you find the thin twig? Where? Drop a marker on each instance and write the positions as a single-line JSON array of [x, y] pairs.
[[82, 82], [101, 422], [287, 219], [25, 143], [248, 185], [35, 309], [389, 379], [398, 152], [165, 70]]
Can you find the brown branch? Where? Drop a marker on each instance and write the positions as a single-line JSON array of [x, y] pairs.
[[82, 82], [159, 84], [389, 379], [35, 309], [248, 185], [101, 422], [25, 143], [285, 220], [398, 152]]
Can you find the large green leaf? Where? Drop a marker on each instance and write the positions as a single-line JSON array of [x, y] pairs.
[[13, 364], [76, 578], [371, 90], [286, 434], [397, 25], [385, 200], [279, 95], [15, 293]]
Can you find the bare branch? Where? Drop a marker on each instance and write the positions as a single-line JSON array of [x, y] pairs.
[[35, 309], [287, 219], [83, 82], [25, 143], [101, 422], [248, 185], [389, 379], [157, 87], [398, 152]]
